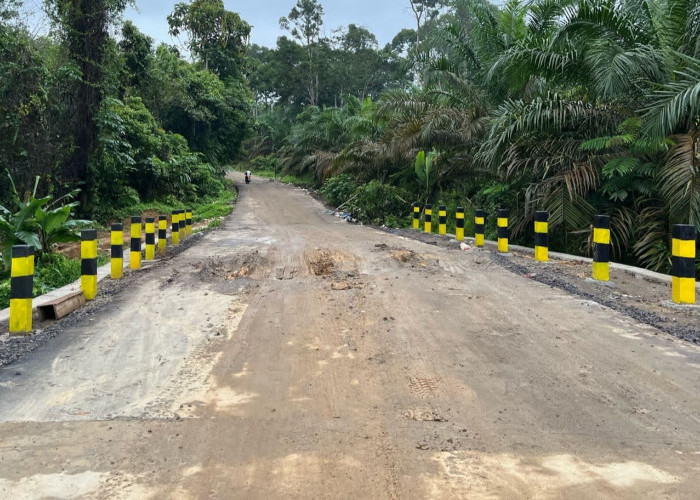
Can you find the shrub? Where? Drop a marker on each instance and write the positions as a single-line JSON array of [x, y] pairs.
[[375, 201], [339, 189]]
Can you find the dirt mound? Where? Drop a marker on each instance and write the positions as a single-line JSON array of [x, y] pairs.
[[326, 261], [412, 258], [251, 265], [320, 262]]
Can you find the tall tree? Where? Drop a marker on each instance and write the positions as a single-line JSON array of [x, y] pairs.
[[304, 23], [137, 49], [216, 36], [84, 26], [423, 10]]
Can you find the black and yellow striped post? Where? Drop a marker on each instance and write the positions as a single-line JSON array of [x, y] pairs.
[[442, 219], [479, 227], [428, 218], [21, 288], [175, 228], [135, 255], [684, 264], [189, 221], [150, 238], [183, 225], [542, 236], [601, 250], [416, 216], [88, 263], [162, 234], [503, 230], [117, 250], [459, 233]]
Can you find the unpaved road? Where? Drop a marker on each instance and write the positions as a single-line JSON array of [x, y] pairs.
[[291, 355]]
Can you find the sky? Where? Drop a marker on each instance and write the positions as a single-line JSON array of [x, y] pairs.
[[384, 18]]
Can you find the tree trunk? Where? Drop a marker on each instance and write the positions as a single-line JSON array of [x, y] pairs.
[[87, 32]]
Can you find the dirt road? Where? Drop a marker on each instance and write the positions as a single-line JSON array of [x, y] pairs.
[[292, 355]]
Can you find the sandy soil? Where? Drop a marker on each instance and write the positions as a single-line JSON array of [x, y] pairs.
[[292, 355]]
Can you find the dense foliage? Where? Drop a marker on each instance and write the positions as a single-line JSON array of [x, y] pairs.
[[124, 121], [576, 107]]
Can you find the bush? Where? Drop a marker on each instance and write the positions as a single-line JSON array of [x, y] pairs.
[[141, 161], [374, 202], [339, 189]]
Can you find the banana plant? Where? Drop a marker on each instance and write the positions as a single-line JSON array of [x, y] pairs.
[[54, 225], [426, 170], [35, 223], [19, 227]]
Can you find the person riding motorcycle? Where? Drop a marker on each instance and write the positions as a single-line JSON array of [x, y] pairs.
[[248, 175]]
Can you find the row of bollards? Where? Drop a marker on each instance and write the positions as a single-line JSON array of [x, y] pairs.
[[684, 244], [22, 269]]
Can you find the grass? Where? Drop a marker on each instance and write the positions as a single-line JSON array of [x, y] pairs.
[[55, 270], [204, 209], [52, 271]]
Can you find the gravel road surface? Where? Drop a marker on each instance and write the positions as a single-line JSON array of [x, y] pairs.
[[292, 355]]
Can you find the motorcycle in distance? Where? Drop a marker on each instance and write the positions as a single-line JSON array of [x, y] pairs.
[[247, 177]]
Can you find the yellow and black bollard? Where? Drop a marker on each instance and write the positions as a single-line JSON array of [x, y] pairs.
[[88, 263], [183, 225], [460, 224], [503, 231], [428, 218], [189, 222], [601, 250], [117, 241], [683, 264], [542, 236], [442, 219], [175, 228], [416, 216], [21, 289], [150, 238], [162, 233], [479, 227], [135, 255]]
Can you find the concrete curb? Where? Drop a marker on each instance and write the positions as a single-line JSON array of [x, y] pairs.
[[102, 273], [635, 271]]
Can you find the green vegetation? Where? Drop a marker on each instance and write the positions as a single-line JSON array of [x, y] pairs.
[[51, 271], [103, 126], [116, 117], [574, 107]]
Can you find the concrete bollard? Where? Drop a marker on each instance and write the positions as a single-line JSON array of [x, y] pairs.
[[684, 252], [175, 228], [88, 263], [503, 231], [162, 234], [21, 289], [189, 222], [601, 250], [150, 238], [135, 256], [542, 236], [183, 225], [459, 232], [117, 251], [479, 227], [428, 218], [442, 219], [416, 216]]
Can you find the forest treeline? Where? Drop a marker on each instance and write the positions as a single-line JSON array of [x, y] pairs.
[[576, 107], [94, 104]]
